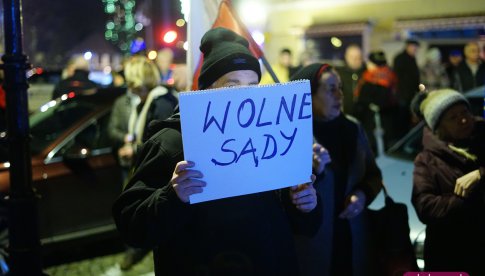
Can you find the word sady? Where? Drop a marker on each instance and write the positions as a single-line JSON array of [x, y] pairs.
[[253, 114]]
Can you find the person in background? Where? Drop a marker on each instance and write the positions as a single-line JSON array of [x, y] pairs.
[[408, 78], [307, 57], [164, 62], [455, 57], [118, 76], [346, 185], [471, 71], [350, 73], [180, 77], [77, 79], [376, 92], [433, 72], [145, 100], [244, 235], [281, 68], [449, 183]]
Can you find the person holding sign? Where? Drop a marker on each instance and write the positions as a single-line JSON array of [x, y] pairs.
[[346, 186], [243, 235]]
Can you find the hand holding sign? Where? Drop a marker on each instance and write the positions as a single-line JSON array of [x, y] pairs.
[[184, 181], [304, 196]]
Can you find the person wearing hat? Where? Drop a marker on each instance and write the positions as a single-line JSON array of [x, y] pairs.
[[244, 235], [376, 92], [449, 182], [433, 72], [408, 76], [455, 57], [348, 184]]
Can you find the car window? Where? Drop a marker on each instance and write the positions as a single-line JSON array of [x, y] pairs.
[[49, 123], [93, 137]]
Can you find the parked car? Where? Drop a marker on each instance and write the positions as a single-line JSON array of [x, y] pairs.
[[397, 166], [74, 171], [41, 84]]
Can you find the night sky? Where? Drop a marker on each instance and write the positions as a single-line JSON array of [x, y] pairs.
[[55, 26]]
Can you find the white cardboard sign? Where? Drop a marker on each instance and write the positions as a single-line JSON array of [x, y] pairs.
[[248, 139]]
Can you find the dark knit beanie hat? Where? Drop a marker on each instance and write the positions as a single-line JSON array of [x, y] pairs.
[[224, 51], [313, 73], [431, 106], [378, 58], [412, 41]]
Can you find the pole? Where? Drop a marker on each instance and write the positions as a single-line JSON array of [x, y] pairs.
[[270, 69], [24, 244], [378, 131]]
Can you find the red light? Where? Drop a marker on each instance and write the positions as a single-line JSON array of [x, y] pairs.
[[170, 37], [39, 70], [71, 95]]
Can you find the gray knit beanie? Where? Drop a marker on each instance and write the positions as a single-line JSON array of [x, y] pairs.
[[432, 105]]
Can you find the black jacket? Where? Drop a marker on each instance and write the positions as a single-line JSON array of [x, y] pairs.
[[245, 235], [407, 72], [350, 79], [464, 80]]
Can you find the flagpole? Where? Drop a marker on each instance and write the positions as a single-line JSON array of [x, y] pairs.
[[269, 69]]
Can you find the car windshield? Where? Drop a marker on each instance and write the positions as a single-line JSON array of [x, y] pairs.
[[53, 119]]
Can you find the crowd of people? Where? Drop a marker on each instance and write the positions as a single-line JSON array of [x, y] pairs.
[[314, 228]]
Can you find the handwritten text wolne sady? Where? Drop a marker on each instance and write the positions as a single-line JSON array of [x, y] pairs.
[[252, 113]]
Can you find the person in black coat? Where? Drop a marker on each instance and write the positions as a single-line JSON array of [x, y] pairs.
[[347, 184], [470, 73], [350, 74], [408, 80], [244, 235], [376, 93]]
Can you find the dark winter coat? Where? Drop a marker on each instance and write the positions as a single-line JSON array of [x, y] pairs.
[[340, 247], [408, 78], [378, 87], [245, 235], [350, 79], [455, 226], [464, 80]]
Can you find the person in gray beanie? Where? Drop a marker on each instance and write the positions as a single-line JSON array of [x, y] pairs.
[[244, 235], [449, 182]]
